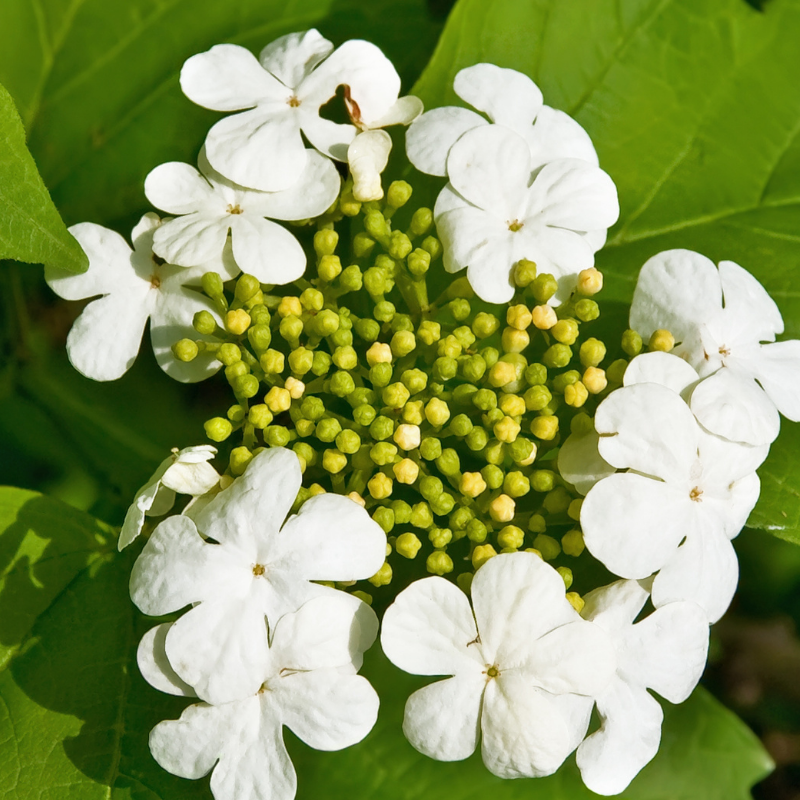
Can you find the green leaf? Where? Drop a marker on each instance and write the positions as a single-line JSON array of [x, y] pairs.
[[694, 108], [30, 228], [75, 713], [97, 82]]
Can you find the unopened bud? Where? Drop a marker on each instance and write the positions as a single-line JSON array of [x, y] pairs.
[[547, 546], [632, 343], [289, 307], [544, 286], [661, 340], [524, 272], [437, 412], [594, 380], [515, 341], [380, 486], [278, 400], [590, 281], [518, 317], [545, 428], [439, 563], [502, 508], [185, 350], [511, 537], [204, 323], [572, 543], [407, 437], [272, 362], [333, 461], [429, 332], [408, 545], [481, 554], [406, 471], [383, 577], [576, 394], [218, 429], [565, 331], [398, 194], [576, 601]]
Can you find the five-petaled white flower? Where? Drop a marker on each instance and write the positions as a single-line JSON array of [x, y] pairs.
[[665, 652], [687, 494], [136, 286], [209, 206], [522, 666], [263, 147], [495, 211], [683, 291], [186, 471], [258, 567], [305, 680]]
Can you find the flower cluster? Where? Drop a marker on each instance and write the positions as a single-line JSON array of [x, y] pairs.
[[377, 424]]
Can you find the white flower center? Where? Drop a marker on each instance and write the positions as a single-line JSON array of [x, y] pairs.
[[259, 570], [696, 495], [492, 671], [515, 225], [293, 101], [233, 209]]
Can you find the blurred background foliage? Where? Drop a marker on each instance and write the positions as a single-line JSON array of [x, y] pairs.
[[694, 106]]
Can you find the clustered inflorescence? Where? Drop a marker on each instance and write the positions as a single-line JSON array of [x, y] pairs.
[[387, 423]]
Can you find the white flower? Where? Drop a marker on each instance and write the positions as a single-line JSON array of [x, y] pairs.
[[521, 666], [297, 74], [304, 680], [665, 652], [260, 567], [580, 462], [186, 471], [508, 98], [495, 212], [105, 339], [687, 494], [683, 292], [209, 206]]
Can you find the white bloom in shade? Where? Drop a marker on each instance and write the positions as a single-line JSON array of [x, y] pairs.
[[720, 317], [580, 462], [260, 567], [495, 212], [207, 206], [186, 471], [283, 91], [522, 666], [135, 287], [300, 683], [665, 652], [508, 98], [687, 494]]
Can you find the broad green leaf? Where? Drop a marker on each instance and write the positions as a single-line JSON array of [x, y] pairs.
[[75, 713], [694, 108], [97, 82], [30, 228]]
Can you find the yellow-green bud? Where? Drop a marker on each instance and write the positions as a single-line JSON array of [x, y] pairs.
[[348, 442], [543, 286], [557, 501], [246, 386], [204, 323], [440, 537], [419, 262], [464, 581], [439, 563], [345, 358], [408, 545], [333, 461], [592, 352], [524, 272], [236, 413], [594, 379], [576, 601], [239, 459], [484, 325], [515, 341], [576, 394], [237, 321], [384, 517], [400, 245], [481, 554], [547, 546], [380, 486], [590, 281], [381, 428], [236, 370], [502, 373], [522, 452], [511, 536], [383, 577], [218, 429], [421, 516], [403, 343], [429, 332], [661, 340], [542, 480], [586, 310], [572, 543], [259, 416], [278, 400], [229, 354], [325, 242], [301, 360], [566, 575], [516, 484], [565, 331], [502, 508], [544, 317], [477, 531], [421, 221], [433, 246], [406, 471], [290, 328], [430, 448], [632, 343], [328, 430], [437, 412], [398, 194], [506, 430], [212, 284], [537, 397], [330, 267], [272, 362], [537, 524], [557, 356], [326, 322], [363, 244], [395, 395], [342, 383], [185, 350], [518, 317], [449, 463]]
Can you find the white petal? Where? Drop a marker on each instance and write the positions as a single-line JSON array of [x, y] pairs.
[[741, 500], [524, 733], [261, 149], [252, 509], [442, 720], [616, 606], [667, 650], [177, 567], [677, 290], [778, 370], [506, 96], [105, 339], [403, 112], [154, 665], [648, 428], [664, 369], [194, 479], [291, 58], [177, 188], [704, 570], [220, 648], [732, 405], [266, 250], [109, 264], [633, 524], [228, 78], [517, 599], [748, 305], [569, 193], [163, 501], [725, 462], [627, 740], [312, 195], [142, 502], [327, 710], [330, 138], [490, 167], [430, 630], [368, 156], [560, 252], [580, 462], [194, 239], [557, 135], [429, 139], [576, 658]]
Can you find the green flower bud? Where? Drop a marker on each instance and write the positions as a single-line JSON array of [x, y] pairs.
[[333, 461], [537, 524], [402, 512], [239, 459], [516, 484], [312, 300], [462, 394], [522, 451], [408, 544], [364, 415], [260, 315], [495, 453], [440, 537], [400, 245], [492, 417], [383, 453], [566, 574], [384, 517], [543, 286], [361, 395], [301, 360], [477, 439], [415, 380], [236, 413], [449, 347], [351, 278], [460, 518], [542, 480], [632, 343], [430, 487], [235, 371], [537, 398], [260, 337], [348, 442], [464, 336], [398, 194], [302, 495], [587, 310], [572, 543], [437, 412], [321, 363], [421, 221], [524, 272], [395, 395], [449, 463], [557, 501], [432, 245], [345, 358], [306, 453], [403, 343], [419, 262], [367, 329], [259, 416], [212, 285], [592, 352], [511, 536], [363, 244], [402, 322], [439, 563], [445, 368], [490, 355], [328, 430], [493, 476], [375, 224], [565, 331], [276, 436], [443, 504], [461, 425], [380, 375], [326, 322], [430, 449], [376, 282], [429, 332], [460, 309], [477, 531], [185, 350], [329, 268], [557, 356], [246, 386], [616, 370], [547, 546], [272, 362], [473, 368], [560, 382], [484, 325], [536, 375], [384, 311], [381, 428], [421, 516], [291, 328], [325, 242], [229, 354], [204, 323], [342, 383], [484, 399]]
